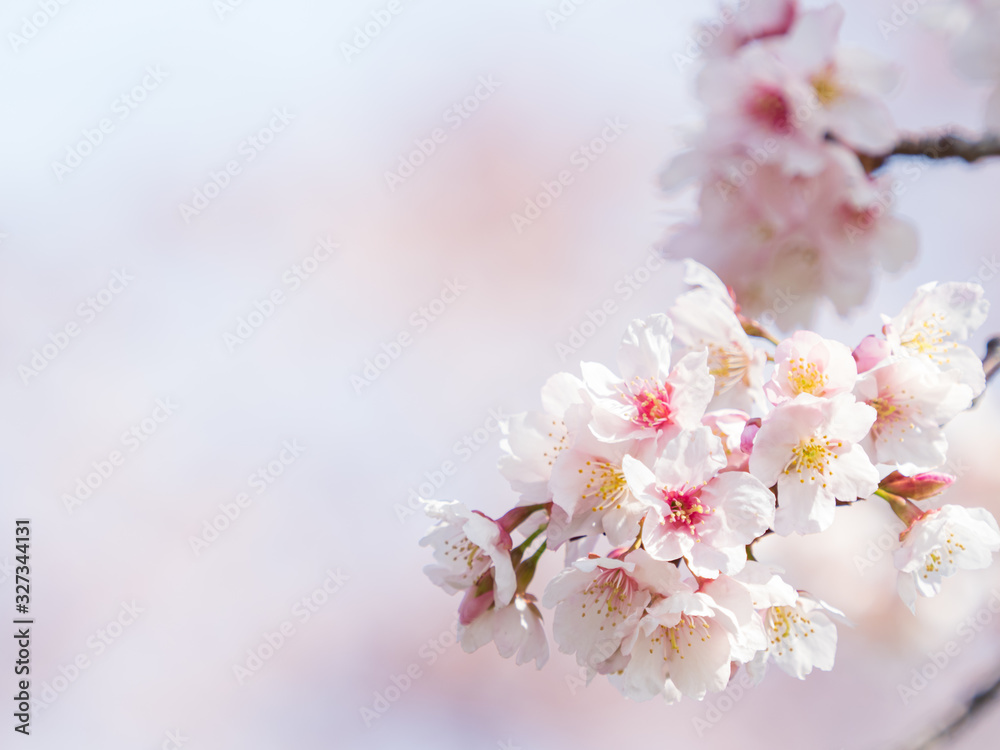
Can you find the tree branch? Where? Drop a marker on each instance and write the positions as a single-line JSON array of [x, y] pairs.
[[947, 146], [970, 708], [991, 363]]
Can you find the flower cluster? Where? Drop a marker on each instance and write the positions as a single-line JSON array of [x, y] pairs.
[[658, 478], [787, 212]]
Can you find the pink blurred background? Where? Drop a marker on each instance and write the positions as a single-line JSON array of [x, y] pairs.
[[341, 504]]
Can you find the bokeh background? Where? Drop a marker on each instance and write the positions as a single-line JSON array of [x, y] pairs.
[[167, 673]]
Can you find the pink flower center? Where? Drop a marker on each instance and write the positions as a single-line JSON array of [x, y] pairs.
[[769, 107], [652, 404], [685, 509]]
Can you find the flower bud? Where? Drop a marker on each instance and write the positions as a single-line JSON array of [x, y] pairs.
[[749, 433], [870, 352], [475, 603], [917, 487]]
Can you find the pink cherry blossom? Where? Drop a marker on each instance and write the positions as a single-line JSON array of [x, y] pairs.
[[913, 400], [808, 363], [729, 425], [695, 512], [649, 399], [783, 243], [810, 448]]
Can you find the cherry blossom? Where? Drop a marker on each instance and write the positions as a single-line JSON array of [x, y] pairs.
[[728, 425], [704, 318], [649, 399], [468, 545], [938, 544], [801, 637], [810, 448], [658, 501], [808, 363], [533, 440], [598, 603], [788, 214], [588, 483], [932, 324], [913, 400], [785, 242], [684, 644], [516, 629], [695, 512]]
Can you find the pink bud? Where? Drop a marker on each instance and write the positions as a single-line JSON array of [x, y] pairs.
[[917, 487], [749, 433], [473, 606], [870, 352]]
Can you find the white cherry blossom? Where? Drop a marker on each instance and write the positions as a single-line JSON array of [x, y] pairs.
[[810, 448], [941, 542]]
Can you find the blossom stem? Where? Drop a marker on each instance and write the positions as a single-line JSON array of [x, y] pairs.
[[946, 146], [523, 546], [983, 698], [516, 516], [755, 329], [526, 570], [906, 510]]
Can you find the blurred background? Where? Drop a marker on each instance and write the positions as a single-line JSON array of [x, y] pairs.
[[260, 283]]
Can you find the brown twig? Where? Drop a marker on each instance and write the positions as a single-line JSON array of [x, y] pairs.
[[991, 362], [948, 146], [970, 709]]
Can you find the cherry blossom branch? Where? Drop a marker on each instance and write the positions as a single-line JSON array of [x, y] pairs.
[[991, 362], [948, 146], [973, 706]]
